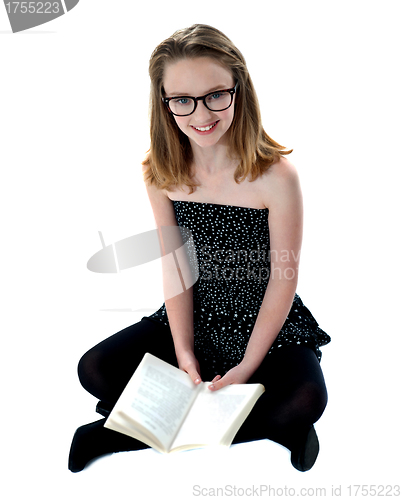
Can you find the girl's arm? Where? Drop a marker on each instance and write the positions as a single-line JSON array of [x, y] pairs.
[[284, 200], [179, 307]]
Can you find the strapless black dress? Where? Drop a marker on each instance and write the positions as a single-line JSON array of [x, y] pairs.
[[232, 248]]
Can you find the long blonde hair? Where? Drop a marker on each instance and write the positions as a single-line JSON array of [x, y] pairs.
[[169, 158]]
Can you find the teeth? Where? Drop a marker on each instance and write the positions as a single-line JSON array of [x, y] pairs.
[[204, 129]]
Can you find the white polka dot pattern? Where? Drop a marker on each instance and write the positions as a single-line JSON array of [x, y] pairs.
[[232, 246]]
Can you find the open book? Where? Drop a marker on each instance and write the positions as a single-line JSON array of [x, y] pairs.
[[162, 407]]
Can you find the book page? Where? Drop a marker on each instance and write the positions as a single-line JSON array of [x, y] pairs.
[[212, 414], [158, 397], [162, 400]]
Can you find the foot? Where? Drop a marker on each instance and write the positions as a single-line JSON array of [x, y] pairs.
[[93, 440], [303, 457], [104, 408]]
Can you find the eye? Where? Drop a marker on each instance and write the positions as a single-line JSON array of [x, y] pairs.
[[182, 101], [215, 96]]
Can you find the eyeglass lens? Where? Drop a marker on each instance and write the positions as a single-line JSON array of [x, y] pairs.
[[217, 101]]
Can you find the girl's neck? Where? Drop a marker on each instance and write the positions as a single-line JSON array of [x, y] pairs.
[[211, 161]]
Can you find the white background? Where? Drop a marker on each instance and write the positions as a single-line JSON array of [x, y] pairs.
[[73, 131]]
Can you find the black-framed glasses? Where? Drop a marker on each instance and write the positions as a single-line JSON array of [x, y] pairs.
[[219, 100]]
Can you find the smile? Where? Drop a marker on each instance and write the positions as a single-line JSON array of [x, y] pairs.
[[205, 129]]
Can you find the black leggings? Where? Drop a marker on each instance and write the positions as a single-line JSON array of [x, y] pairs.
[[295, 393]]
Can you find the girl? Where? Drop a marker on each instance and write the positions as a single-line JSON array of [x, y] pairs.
[[213, 169]]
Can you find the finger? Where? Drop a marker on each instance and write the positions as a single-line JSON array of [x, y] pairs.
[[212, 386], [195, 376], [218, 384]]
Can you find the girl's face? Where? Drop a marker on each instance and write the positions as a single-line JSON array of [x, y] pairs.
[[197, 77]]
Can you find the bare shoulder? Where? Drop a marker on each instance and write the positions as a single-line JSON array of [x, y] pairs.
[[281, 183], [283, 171], [161, 204], [162, 207]]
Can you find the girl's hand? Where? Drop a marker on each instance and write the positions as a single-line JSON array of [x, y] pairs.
[[237, 375], [189, 364]]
